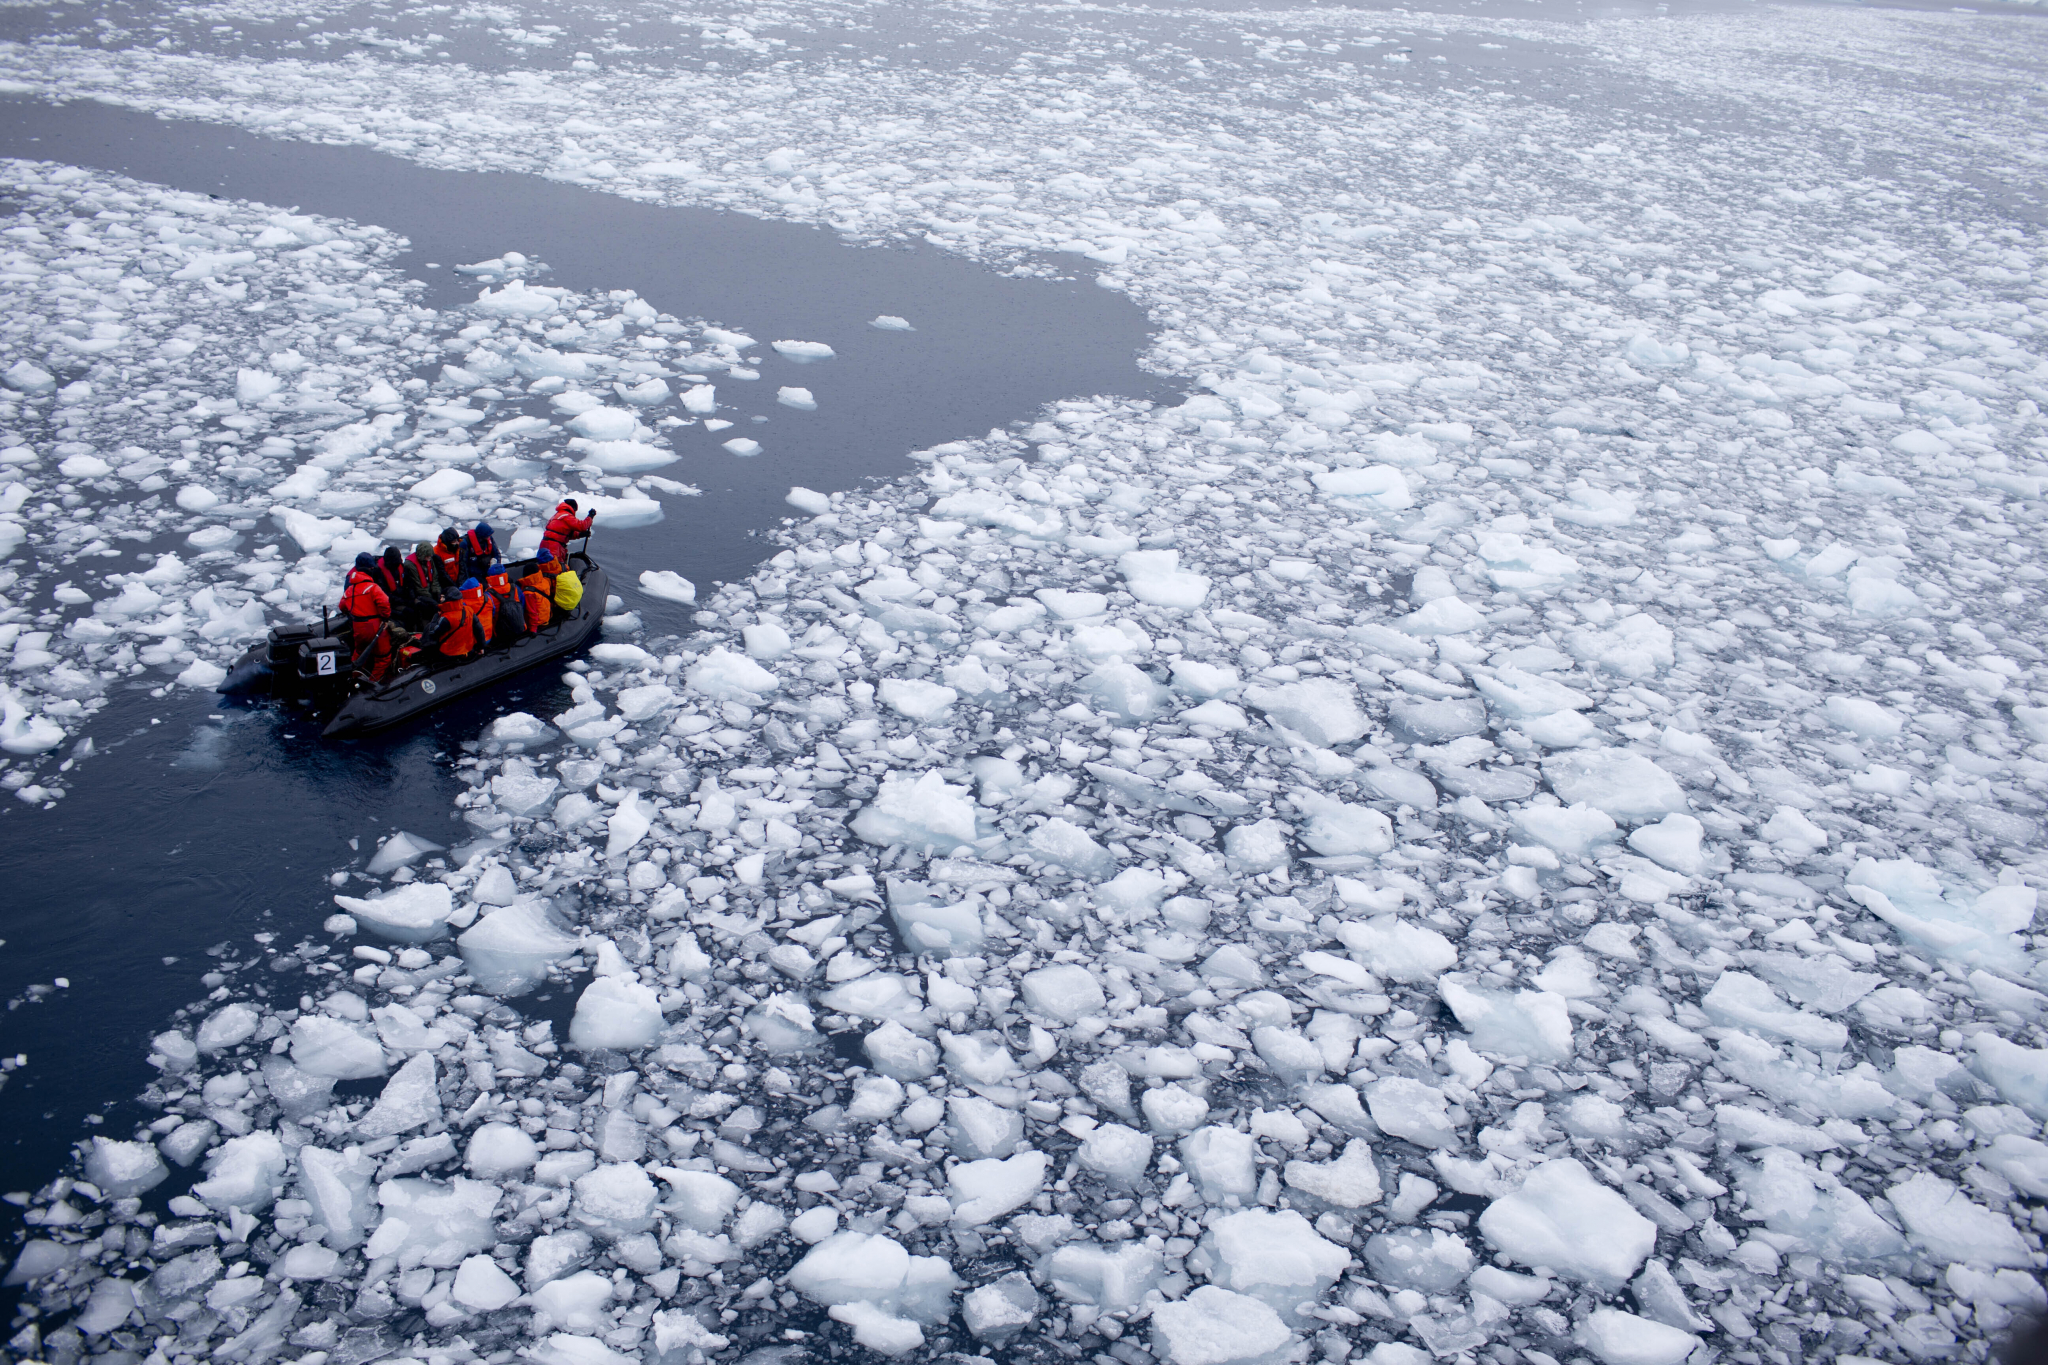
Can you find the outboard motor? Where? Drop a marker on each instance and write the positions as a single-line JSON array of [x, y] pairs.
[[322, 668]]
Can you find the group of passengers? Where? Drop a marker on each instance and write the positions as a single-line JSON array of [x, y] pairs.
[[453, 598]]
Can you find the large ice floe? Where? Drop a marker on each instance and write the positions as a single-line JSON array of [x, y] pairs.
[[1502, 828]]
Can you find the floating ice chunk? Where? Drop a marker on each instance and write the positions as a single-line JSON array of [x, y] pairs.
[[998, 1312], [24, 377], [568, 1348], [1862, 718], [410, 1099], [124, 1169], [508, 951], [1116, 1152], [1064, 991], [983, 1191], [1378, 487], [1222, 1162], [626, 826], [882, 995], [921, 812], [800, 399], [1672, 842], [1125, 691], [1634, 647], [1321, 710], [725, 676], [481, 1287], [337, 1186], [809, 500], [637, 704], [1748, 1127], [914, 698], [624, 457], [1350, 1181], [1623, 785], [497, 1150], [1791, 832], [442, 484], [1950, 1227], [617, 1013], [1397, 949], [229, 1026], [245, 1173], [1213, 1326], [1519, 696], [325, 1046], [1113, 1279], [616, 1200], [400, 850], [1911, 898], [1532, 1024], [1740, 1000], [1407, 1108], [624, 513], [699, 1199], [1337, 829], [606, 424], [1063, 844], [416, 912], [519, 300], [881, 1332], [1427, 1260], [1156, 578], [1562, 1218], [203, 675], [1444, 616], [1793, 1198], [1620, 1338], [429, 1223], [889, 322], [855, 1267], [803, 352], [2020, 1074]]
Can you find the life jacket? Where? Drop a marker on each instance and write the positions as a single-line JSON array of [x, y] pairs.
[[449, 557], [458, 635], [499, 586], [480, 613], [422, 585], [386, 580], [563, 527], [535, 599], [568, 590], [477, 554], [366, 605]]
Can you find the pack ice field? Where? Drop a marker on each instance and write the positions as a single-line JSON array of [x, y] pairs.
[[1502, 826]]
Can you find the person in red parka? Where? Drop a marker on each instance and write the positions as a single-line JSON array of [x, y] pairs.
[[564, 527], [368, 608]]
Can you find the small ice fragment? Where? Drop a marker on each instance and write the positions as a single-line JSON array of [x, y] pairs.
[[889, 322], [809, 500], [803, 352], [800, 399]]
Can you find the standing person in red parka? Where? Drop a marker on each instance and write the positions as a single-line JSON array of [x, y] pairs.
[[368, 608], [564, 527]]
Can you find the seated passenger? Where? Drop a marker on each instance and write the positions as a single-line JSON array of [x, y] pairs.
[[504, 599], [448, 554], [536, 592], [455, 632], [479, 551]]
